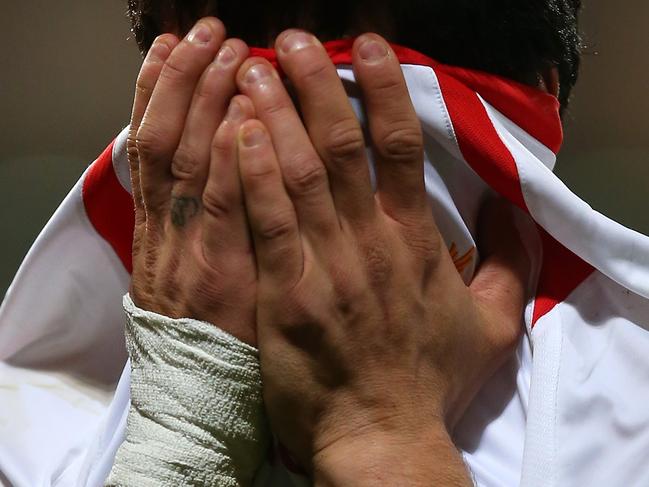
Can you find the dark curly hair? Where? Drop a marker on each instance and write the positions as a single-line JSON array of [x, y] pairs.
[[517, 39]]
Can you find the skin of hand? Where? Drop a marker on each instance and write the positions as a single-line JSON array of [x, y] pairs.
[[192, 255], [371, 344], [385, 276]]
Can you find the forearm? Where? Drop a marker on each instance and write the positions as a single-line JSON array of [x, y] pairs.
[[389, 459], [196, 413]]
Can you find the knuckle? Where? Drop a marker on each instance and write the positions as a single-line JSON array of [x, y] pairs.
[[401, 142], [378, 264], [132, 151], [258, 177], [217, 204], [146, 78], [388, 83], [344, 142], [147, 141], [314, 71], [351, 296], [424, 243], [175, 68], [275, 105], [185, 164], [143, 85], [276, 227], [307, 175]]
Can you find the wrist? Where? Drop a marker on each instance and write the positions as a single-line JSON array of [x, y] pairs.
[[398, 458]]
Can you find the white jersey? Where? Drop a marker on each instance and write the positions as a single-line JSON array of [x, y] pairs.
[[570, 409]]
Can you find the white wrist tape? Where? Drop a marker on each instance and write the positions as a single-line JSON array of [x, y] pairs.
[[196, 415]]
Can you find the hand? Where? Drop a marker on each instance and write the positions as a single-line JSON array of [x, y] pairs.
[[370, 342], [191, 252]]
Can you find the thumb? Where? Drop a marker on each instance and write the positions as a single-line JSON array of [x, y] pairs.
[[500, 285]]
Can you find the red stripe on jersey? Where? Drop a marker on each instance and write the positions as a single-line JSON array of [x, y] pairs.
[[532, 109], [561, 270], [479, 142], [561, 273], [110, 207]]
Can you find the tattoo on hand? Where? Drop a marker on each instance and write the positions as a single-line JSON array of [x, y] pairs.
[[183, 209]]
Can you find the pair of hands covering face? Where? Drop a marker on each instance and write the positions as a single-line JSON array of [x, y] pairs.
[[266, 225]]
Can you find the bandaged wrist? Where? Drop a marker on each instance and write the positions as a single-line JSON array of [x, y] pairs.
[[196, 415]]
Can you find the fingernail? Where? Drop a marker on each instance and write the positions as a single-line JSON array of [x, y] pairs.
[[253, 137], [372, 51], [226, 56], [296, 41], [258, 73], [158, 52], [235, 113], [200, 34]]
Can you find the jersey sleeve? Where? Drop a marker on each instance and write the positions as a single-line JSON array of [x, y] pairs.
[[61, 328]]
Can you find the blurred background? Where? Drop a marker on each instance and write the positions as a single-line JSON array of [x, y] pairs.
[[67, 71]]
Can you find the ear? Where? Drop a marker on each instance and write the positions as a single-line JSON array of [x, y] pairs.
[[549, 81]]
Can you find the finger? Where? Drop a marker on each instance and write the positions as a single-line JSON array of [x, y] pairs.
[[164, 119], [500, 285], [225, 227], [215, 89], [302, 170], [146, 81], [330, 121], [394, 127], [271, 214], [191, 161]]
